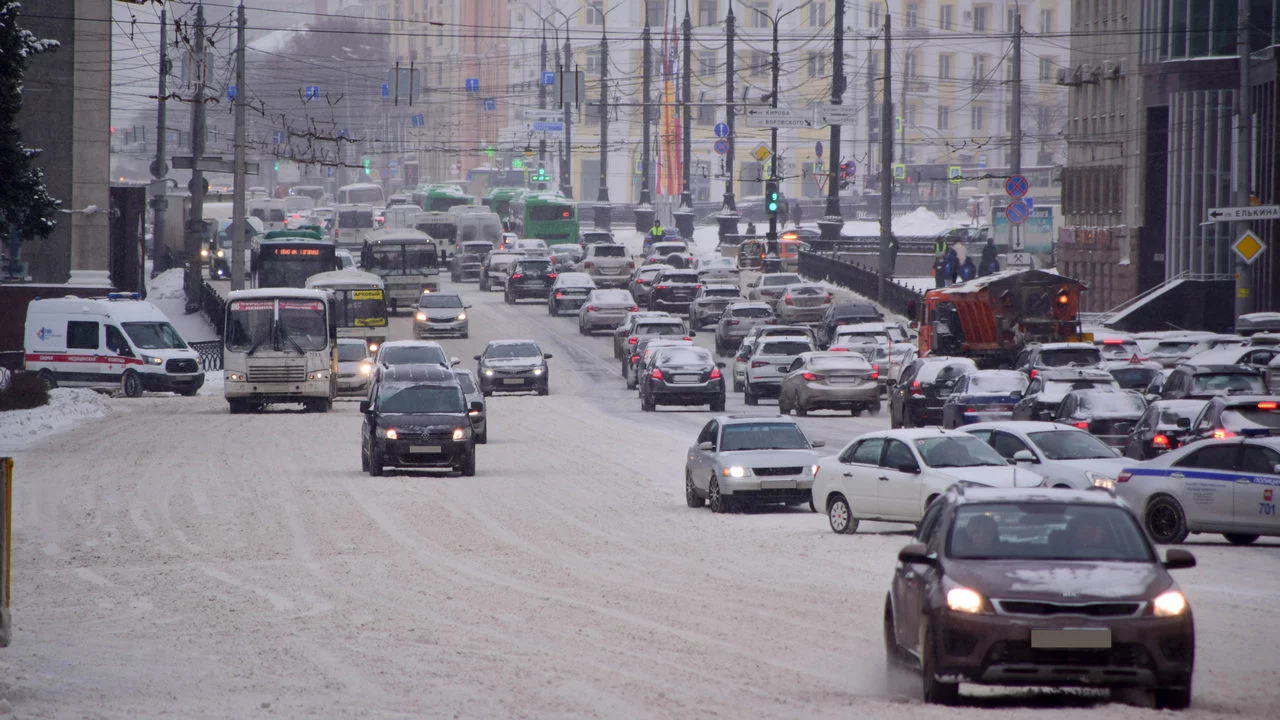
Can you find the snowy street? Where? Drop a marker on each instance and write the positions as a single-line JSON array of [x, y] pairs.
[[174, 560]]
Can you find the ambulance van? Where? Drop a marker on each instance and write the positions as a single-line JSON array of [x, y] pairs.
[[107, 343]]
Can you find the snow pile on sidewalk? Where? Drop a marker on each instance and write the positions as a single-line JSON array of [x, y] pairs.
[[165, 291], [67, 407]]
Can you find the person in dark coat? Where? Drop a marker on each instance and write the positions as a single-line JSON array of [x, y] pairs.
[[939, 271], [951, 265], [968, 270], [990, 262]]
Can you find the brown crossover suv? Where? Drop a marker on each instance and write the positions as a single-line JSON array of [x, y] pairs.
[[1038, 587]]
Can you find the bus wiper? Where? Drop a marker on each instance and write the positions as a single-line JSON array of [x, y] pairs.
[[256, 346], [285, 334]]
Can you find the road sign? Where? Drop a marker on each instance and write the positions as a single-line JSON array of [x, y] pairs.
[[1248, 246], [1017, 212], [537, 114], [555, 127], [231, 92], [777, 117], [835, 115], [1016, 186], [761, 152], [1256, 212], [417, 120], [472, 85], [722, 130], [330, 171], [639, 167], [722, 146], [386, 89], [955, 173], [549, 77], [817, 148], [490, 104], [899, 171], [311, 92], [159, 170], [1017, 259]]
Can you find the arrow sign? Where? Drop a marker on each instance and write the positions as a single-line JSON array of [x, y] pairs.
[[835, 115], [1255, 212], [777, 117], [722, 130], [548, 127]]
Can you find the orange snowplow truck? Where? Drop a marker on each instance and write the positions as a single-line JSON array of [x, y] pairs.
[[991, 318]]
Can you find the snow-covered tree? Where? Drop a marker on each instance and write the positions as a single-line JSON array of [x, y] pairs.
[[25, 205]]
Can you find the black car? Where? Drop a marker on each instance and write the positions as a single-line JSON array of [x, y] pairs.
[[1230, 416], [632, 362], [845, 313], [682, 375], [1133, 375], [1048, 387], [416, 417], [465, 268], [674, 290], [1106, 413], [531, 278], [1206, 381], [513, 366], [917, 398], [983, 396], [1163, 427]]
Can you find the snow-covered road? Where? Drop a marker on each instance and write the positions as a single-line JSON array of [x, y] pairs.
[[173, 560]]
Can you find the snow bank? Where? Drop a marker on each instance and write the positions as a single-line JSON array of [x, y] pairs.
[[67, 408], [165, 291]]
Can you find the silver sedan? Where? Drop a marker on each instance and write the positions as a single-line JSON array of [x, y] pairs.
[[740, 461], [830, 381]]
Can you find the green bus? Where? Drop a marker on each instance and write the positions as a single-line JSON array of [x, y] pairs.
[[286, 258], [441, 197], [551, 217], [499, 199]]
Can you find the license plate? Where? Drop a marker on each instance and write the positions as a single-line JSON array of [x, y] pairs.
[[512, 381], [424, 449], [1075, 638], [686, 378], [777, 484]]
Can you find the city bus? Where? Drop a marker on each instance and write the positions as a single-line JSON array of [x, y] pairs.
[[351, 222], [361, 194], [477, 222], [441, 197], [279, 346], [406, 260], [551, 217], [358, 303], [286, 258], [499, 199], [270, 211], [315, 192], [441, 226]]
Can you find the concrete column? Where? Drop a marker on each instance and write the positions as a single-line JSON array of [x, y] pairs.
[[90, 137]]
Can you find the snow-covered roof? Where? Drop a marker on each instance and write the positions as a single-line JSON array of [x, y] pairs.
[[988, 280], [271, 293]]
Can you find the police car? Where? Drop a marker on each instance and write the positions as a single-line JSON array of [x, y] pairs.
[[1229, 486]]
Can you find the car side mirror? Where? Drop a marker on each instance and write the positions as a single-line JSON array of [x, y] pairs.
[[453, 361], [909, 468], [1024, 456], [917, 554], [720, 365], [708, 446], [818, 443], [364, 406], [477, 406], [1177, 559], [477, 357], [546, 356], [1184, 423]]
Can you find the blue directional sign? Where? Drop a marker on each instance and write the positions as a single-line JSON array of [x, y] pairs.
[[344, 133], [1030, 202], [330, 172], [417, 120], [472, 84], [311, 92], [490, 104], [386, 90], [231, 92], [722, 146], [549, 77], [278, 137], [817, 148], [1017, 212], [1016, 186], [548, 127], [722, 130]]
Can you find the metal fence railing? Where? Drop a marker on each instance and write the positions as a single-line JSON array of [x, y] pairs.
[[210, 354], [213, 306], [862, 280]]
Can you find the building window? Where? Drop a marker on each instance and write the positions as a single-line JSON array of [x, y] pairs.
[[979, 68], [759, 63], [707, 65], [913, 15], [911, 64], [1046, 69], [593, 61], [944, 117], [874, 15], [595, 15], [708, 12], [817, 64], [657, 12], [944, 66], [1046, 21], [945, 13], [980, 18], [1010, 19], [976, 117], [760, 15], [818, 14], [706, 110]]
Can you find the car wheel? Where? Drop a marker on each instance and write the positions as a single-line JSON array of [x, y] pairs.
[[646, 404], [632, 380], [737, 385], [719, 503], [544, 389], [582, 329], [483, 438], [873, 408], [1172, 698], [1165, 520], [893, 656], [551, 310], [469, 465], [1239, 539], [749, 397], [893, 420], [936, 692], [717, 405], [375, 461], [189, 392], [484, 285], [237, 406], [46, 377], [131, 384], [783, 407], [841, 517], [364, 461], [691, 496], [801, 410]]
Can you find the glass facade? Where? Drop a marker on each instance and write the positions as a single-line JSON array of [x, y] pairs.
[[1187, 29], [1200, 150]]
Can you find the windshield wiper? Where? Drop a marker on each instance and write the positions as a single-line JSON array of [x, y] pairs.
[[285, 335]]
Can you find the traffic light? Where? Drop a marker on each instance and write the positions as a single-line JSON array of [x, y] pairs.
[[541, 175], [844, 170], [771, 199], [367, 164]]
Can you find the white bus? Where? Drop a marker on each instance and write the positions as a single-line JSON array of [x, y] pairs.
[[361, 194], [270, 211], [358, 304], [279, 346], [477, 222], [406, 260], [441, 226], [351, 222]]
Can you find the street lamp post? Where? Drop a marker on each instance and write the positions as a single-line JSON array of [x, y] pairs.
[[603, 209]]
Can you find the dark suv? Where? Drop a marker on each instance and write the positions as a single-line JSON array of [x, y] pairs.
[[1229, 416], [1023, 587], [416, 417], [921, 392], [1048, 387], [674, 290], [530, 279], [1206, 381]]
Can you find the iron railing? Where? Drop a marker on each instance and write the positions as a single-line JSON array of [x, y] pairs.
[[861, 280], [210, 353]]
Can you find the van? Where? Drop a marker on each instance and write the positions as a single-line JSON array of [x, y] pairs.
[[119, 341]]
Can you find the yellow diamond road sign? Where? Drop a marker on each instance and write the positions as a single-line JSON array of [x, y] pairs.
[[761, 152], [1249, 247]]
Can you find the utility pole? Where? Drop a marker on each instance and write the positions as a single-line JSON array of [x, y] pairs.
[[833, 223], [238, 185], [728, 217], [644, 211], [1015, 112], [195, 220], [772, 263], [542, 97], [886, 164], [1245, 302], [603, 210], [160, 252], [566, 173], [684, 216]]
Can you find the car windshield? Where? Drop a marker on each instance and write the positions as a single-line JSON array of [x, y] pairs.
[[352, 352], [806, 290], [1229, 383], [1058, 389], [957, 451], [413, 355], [772, 280], [1250, 417], [1111, 403], [153, 335], [1047, 531], [998, 383], [610, 251], [512, 350], [784, 347], [752, 312], [1070, 357], [1170, 414], [420, 399], [668, 248], [536, 266], [940, 372], [1069, 445], [468, 385], [1134, 378], [763, 436], [439, 300], [850, 362]]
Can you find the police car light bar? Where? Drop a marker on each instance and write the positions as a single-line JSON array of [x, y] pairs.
[[124, 296], [1260, 432]]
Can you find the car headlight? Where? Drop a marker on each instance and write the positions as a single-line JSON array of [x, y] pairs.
[[735, 471], [373, 347], [813, 469], [462, 316], [488, 372], [1170, 604], [204, 252], [537, 371], [1101, 481], [318, 375], [366, 369], [459, 434], [221, 253], [388, 433], [964, 600], [421, 317], [235, 377], [152, 360]]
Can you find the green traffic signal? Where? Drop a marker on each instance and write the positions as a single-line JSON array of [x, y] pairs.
[[771, 197]]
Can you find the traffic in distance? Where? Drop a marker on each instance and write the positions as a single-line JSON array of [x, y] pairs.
[[1038, 450]]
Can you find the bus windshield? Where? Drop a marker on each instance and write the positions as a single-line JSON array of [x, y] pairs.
[[444, 203], [359, 308], [298, 327], [402, 259]]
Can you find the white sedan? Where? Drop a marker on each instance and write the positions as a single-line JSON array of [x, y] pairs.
[[893, 475], [1066, 456]]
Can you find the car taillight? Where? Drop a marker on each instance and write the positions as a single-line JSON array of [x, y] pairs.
[[558, 296], [697, 287], [633, 340], [915, 388], [591, 308], [517, 276], [631, 264], [635, 359], [1160, 440], [811, 376], [971, 410], [1267, 405], [588, 265], [1222, 434], [634, 308], [656, 374], [1033, 374], [641, 281], [875, 374], [686, 338], [731, 322], [758, 363], [715, 374], [838, 349], [1124, 477], [659, 287], [1083, 424], [787, 300], [553, 276]]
